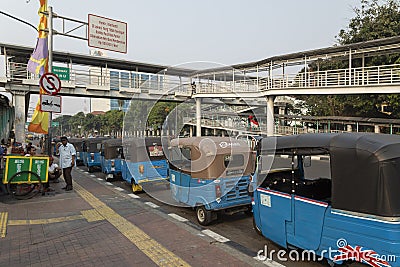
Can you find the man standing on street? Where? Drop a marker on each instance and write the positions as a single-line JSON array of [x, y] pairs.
[[67, 161]]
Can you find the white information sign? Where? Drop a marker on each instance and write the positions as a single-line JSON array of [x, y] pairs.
[[107, 33], [50, 103], [266, 200]]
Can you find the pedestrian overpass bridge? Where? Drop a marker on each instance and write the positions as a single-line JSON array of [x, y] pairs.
[[254, 83]]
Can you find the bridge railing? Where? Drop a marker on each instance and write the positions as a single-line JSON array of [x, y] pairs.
[[97, 79], [362, 76], [105, 79]]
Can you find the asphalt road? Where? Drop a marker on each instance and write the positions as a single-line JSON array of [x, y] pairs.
[[237, 227]]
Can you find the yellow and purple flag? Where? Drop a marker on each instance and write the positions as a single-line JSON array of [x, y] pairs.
[[40, 121], [38, 64]]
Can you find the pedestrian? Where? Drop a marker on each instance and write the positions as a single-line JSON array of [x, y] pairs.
[[41, 143], [30, 151], [54, 171], [67, 161], [28, 147]]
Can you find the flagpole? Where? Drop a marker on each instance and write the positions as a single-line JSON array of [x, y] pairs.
[[50, 69]]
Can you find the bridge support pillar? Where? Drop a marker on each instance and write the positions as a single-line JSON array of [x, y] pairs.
[[270, 115], [198, 116], [282, 111], [20, 116]]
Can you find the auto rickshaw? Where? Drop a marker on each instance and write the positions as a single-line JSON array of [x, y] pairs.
[[211, 174], [335, 195], [111, 158], [77, 143], [91, 157], [144, 161]]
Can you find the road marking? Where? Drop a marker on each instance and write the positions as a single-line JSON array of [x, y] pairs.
[[3, 223], [133, 196], [119, 188], [177, 217], [151, 204], [270, 262], [216, 236], [90, 215], [108, 183], [93, 175], [46, 221], [154, 250], [99, 179]]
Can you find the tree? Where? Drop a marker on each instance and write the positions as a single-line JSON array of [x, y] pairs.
[[373, 20], [159, 113], [113, 121]]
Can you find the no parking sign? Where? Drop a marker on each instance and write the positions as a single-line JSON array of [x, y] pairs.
[[50, 83]]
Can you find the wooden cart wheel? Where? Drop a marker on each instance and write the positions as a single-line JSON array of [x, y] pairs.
[[24, 190]]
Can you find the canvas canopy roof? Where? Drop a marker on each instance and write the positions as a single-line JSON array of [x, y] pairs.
[[77, 142], [136, 148], [94, 144], [209, 156], [112, 148], [365, 168]]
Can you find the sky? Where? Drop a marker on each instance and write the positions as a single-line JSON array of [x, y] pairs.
[[176, 32]]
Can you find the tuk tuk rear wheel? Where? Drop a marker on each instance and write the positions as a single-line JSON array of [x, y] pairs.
[[204, 217], [90, 169]]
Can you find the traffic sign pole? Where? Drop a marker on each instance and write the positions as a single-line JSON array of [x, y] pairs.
[[50, 67]]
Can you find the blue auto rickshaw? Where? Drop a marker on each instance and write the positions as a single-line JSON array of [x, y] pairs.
[[91, 155], [77, 143], [111, 158], [211, 174], [145, 161], [335, 195]]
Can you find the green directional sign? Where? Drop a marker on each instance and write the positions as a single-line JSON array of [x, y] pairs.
[[61, 72], [55, 124]]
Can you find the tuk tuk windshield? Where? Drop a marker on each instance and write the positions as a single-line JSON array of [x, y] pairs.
[[155, 151], [232, 161]]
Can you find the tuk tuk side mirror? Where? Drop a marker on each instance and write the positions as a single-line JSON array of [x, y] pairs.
[[307, 161]]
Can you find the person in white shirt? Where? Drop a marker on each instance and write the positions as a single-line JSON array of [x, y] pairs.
[[30, 151], [54, 171], [67, 161]]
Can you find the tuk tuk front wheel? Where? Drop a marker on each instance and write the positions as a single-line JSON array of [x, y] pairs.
[[258, 231], [136, 188], [204, 217]]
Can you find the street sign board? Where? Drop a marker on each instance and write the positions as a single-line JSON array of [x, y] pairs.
[[55, 124], [50, 103], [61, 72], [50, 83], [107, 33], [15, 164]]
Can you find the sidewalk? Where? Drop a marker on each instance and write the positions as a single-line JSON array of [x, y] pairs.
[[98, 224]]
